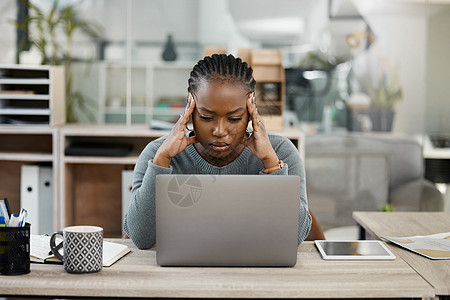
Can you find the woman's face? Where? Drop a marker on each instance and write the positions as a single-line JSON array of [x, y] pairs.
[[220, 119]]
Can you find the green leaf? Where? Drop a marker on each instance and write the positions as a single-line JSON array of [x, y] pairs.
[[387, 208]]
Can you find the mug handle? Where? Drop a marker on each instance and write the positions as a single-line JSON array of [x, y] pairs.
[[55, 248]]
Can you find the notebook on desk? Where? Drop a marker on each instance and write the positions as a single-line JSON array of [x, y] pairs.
[[227, 220]]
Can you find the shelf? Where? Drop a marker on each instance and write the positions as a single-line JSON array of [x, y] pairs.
[[25, 67], [114, 160], [15, 129], [123, 65], [168, 111], [23, 81], [150, 82], [180, 65], [18, 96], [123, 110], [92, 185], [25, 111], [26, 145], [32, 95], [112, 130], [26, 157]]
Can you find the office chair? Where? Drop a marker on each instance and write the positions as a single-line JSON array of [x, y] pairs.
[[316, 232], [357, 171]]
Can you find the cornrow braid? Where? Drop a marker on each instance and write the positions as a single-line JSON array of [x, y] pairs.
[[221, 66]]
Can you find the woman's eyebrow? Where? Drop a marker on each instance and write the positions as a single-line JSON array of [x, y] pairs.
[[214, 113], [206, 110], [236, 110]]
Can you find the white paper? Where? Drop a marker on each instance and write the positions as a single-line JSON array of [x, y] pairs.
[[434, 246]]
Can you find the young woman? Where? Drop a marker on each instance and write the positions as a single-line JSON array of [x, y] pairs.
[[221, 103]]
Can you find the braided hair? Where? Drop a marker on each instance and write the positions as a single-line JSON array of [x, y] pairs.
[[221, 67]]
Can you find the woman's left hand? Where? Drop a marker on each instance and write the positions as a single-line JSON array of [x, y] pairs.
[[259, 142]]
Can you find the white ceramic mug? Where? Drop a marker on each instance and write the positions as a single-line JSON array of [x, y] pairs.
[[83, 248]]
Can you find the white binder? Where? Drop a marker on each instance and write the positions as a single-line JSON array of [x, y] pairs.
[[127, 183], [36, 196]]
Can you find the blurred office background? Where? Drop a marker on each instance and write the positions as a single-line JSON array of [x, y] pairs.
[[375, 67], [347, 46]]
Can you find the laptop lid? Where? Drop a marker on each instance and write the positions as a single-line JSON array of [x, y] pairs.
[[227, 220]]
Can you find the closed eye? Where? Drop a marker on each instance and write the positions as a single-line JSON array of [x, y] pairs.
[[235, 119], [206, 118]]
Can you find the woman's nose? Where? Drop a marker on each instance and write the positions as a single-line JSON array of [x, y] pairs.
[[220, 129]]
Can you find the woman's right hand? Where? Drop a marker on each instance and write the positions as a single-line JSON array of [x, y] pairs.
[[176, 141]]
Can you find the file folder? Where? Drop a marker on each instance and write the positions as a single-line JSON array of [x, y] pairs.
[[36, 196], [127, 184]]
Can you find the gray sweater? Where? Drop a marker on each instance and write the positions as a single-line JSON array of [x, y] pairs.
[[139, 222]]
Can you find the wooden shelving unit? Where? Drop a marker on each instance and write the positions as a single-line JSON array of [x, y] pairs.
[[158, 92], [169, 86], [32, 104], [92, 191], [268, 71], [23, 145], [32, 95]]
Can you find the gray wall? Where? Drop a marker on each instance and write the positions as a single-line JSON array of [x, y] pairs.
[[437, 114]]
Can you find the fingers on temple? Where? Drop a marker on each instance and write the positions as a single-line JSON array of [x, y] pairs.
[[253, 111], [184, 117], [251, 106], [190, 106]]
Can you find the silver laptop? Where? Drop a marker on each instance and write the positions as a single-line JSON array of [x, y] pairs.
[[227, 220]]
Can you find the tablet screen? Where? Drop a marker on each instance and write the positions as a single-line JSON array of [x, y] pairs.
[[354, 250]]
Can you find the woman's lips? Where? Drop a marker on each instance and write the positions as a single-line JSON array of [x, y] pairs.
[[220, 147]]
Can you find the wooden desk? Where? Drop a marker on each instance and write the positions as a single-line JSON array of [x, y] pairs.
[[137, 275], [436, 272]]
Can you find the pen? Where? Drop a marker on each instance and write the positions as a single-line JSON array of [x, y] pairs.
[[14, 221], [23, 217], [4, 211], [8, 209]]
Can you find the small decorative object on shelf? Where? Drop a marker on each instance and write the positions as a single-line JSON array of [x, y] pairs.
[[169, 53]]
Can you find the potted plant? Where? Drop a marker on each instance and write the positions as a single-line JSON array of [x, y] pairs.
[[383, 98], [51, 33]]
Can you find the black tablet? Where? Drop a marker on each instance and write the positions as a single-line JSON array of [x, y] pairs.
[[353, 249]]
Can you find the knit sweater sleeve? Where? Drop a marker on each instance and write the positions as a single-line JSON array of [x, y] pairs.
[[288, 153], [139, 223]]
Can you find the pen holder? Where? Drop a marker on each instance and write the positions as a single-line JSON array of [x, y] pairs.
[[15, 250]]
